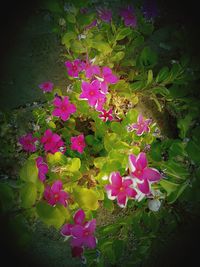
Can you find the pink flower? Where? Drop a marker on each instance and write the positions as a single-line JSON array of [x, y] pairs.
[[55, 195], [77, 252], [141, 126], [105, 14], [52, 142], [74, 67], [78, 143], [91, 70], [46, 86], [106, 115], [106, 77], [120, 189], [28, 142], [129, 17], [142, 174], [101, 100], [90, 92], [63, 108], [82, 232], [42, 168]]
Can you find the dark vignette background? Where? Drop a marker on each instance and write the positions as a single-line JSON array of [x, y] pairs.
[[184, 248]]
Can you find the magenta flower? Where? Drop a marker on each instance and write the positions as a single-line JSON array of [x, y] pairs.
[[141, 126], [42, 168], [91, 25], [74, 67], [142, 173], [105, 14], [77, 252], [63, 108], [78, 143], [120, 189], [52, 142], [90, 92], [106, 77], [129, 17], [100, 102], [91, 70], [82, 232], [28, 142], [55, 195], [106, 115], [46, 86]]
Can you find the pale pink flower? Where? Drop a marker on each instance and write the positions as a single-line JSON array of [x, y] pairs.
[[141, 126]]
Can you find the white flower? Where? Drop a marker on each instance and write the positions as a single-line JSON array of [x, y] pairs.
[[154, 204]]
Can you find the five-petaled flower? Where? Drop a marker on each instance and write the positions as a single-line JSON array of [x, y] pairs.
[[55, 194], [28, 142], [141, 126], [91, 92], [129, 17], [74, 67], [142, 174], [46, 86], [105, 78], [81, 232], [78, 143], [120, 189], [63, 108], [42, 168], [52, 142], [105, 14], [91, 70], [106, 115]]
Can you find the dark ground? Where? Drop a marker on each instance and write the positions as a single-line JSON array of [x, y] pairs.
[[182, 248]]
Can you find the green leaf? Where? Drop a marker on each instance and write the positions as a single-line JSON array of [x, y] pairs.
[[148, 57], [102, 47], [160, 90], [110, 140], [118, 56], [138, 85], [29, 172], [193, 150], [28, 195], [77, 47], [73, 165], [67, 37], [55, 159], [108, 204], [162, 75], [122, 33], [156, 151], [51, 216], [149, 77], [71, 18], [175, 195], [184, 125], [86, 198], [169, 186]]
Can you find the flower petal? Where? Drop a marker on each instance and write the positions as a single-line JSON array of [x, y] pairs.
[[141, 161], [144, 187], [151, 174], [77, 231], [79, 217], [66, 229], [132, 162], [90, 241], [122, 199], [116, 179], [130, 192]]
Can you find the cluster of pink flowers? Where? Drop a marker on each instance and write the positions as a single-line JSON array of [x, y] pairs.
[[55, 194], [81, 233], [136, 185], [52, 142]]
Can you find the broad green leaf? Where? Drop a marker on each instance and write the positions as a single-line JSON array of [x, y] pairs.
[[108, 204], [28, 195], [51, 216], [67, 37], [160, 90], [118, 56], [71, 18], [138, 85], [169, 186], [55, 159], [99, 162], [156, 151], [77, 47], [193, 150], [148, 57], [122, 33], [86, 198], [29, 172], [102, 47], [73, 165], [175, 195], [184, 125], [110, 140]]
